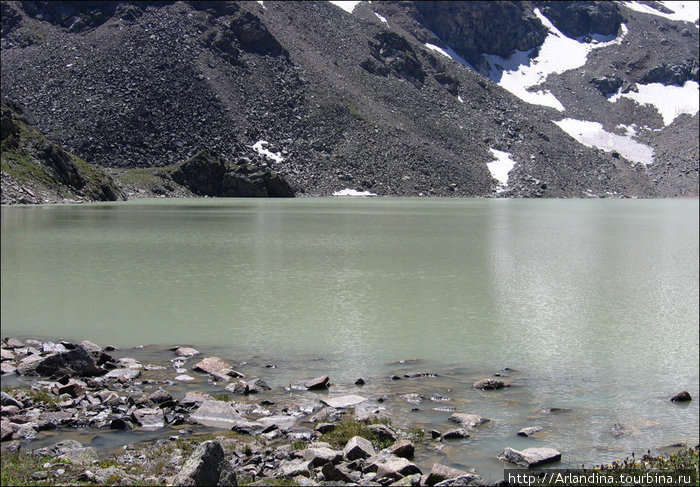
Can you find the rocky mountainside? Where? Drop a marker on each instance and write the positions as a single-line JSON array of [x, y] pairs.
[[521, 99]]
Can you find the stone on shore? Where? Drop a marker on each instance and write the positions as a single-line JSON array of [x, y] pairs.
[[530, 457], [529, 431], [342, 402], [317, 383], [441, 472], [488, 384], [358, 447], [294, 468], [160, 396], [210, 364], [468, 421], [392, 467], [402, 448], [6, 368], [8, 400], [12, 343], [461, 481], [320, 456], [69, 450], [195, 397], [6, 430], [205, 466], [152, 418], [6, 354], [682, 396], [90, 346], [382, 431]]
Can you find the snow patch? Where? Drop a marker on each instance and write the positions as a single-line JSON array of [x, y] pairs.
[[670, 101], [591, 134], [259, 147], [500, 168], [352, 192], [459, 98], [450, 53], [347, 6], [262, 4], [558, 53], [683, 11], [383, 19], [630, 130]]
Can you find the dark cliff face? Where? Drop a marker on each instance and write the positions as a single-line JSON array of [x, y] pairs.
[[345, 100], [475, 28], [581, 18]]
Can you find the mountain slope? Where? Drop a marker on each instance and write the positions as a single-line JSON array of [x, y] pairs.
[[364, 100]]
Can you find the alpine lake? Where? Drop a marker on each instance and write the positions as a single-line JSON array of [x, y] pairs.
[[589, 306]]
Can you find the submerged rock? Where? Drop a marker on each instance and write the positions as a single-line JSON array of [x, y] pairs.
[[488, 384], [216, 412], [468, 420], [210, 365], [341, 402], [529, 431]]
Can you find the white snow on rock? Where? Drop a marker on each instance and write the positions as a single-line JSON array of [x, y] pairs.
[[557, 54], [352, 192], [262, 4], [591, 134], [450, 53], [347, 6], [500, 168], [259, 147], [670, 101], [383, 19], [459, 97], [684, 11], [630, 130]]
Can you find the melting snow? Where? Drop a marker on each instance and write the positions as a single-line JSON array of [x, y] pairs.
[[459, 97], [670, 101], [450, 53], [383, 19], [592, 134], [347, 6], [500, 168], [685, 11], [630, 130], [352, 192], [557, 54], [260, 149], [262, 4]]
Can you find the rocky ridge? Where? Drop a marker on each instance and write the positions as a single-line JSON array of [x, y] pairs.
[[112, 90]]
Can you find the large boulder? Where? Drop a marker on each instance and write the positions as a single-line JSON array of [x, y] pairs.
[[577, 19], [358, 447], [76, 362], [205, 466]]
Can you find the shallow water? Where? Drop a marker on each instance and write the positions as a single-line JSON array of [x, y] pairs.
[[594, 303]]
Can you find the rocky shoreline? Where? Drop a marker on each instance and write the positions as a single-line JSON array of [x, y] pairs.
[[263, 437]]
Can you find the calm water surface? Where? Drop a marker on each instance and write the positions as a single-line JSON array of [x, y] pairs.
[[594, 303]]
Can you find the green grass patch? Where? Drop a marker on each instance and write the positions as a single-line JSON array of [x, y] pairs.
[[345, 430], [36, 396], [17, 469]]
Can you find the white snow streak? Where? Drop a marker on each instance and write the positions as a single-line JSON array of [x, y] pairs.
[[557, 54], [347, 6], [260, 149], [684, 11], [500, 168], [383, 19], [670, 101], [352, 192], [262, 4], [630, 130], [459, 97], [450, 53], [592, 134]]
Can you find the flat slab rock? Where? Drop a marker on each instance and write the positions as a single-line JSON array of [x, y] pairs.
[[529, 431], [217, 413], [340, 402], [530, 457], [210, 364]]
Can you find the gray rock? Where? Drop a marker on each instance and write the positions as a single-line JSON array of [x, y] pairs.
[[90, 346], [382, 431], [6, 354], [281, 421], [108, 398], [530, 457], [210, 364], [358, 447], [6, 430], [339, 473], [129, 363], [51, 347], [160, 396], [184, 378], [402, 448], [529, 431], [455, 434], [410, 480], [294, 468], [682, 396], [204, 466], [8, 400], [342, 402], [468, 421], [26, 431], [69, 450], [28, 365], [152, 418], [186, 352], [195, 397], [320, 456], [324, 427], [462, 480], [317, 383], [122, 375], [394, 467], [217, 413], [12, 343], [248, 427], [6, 368], [488, 384], [441, 472]]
